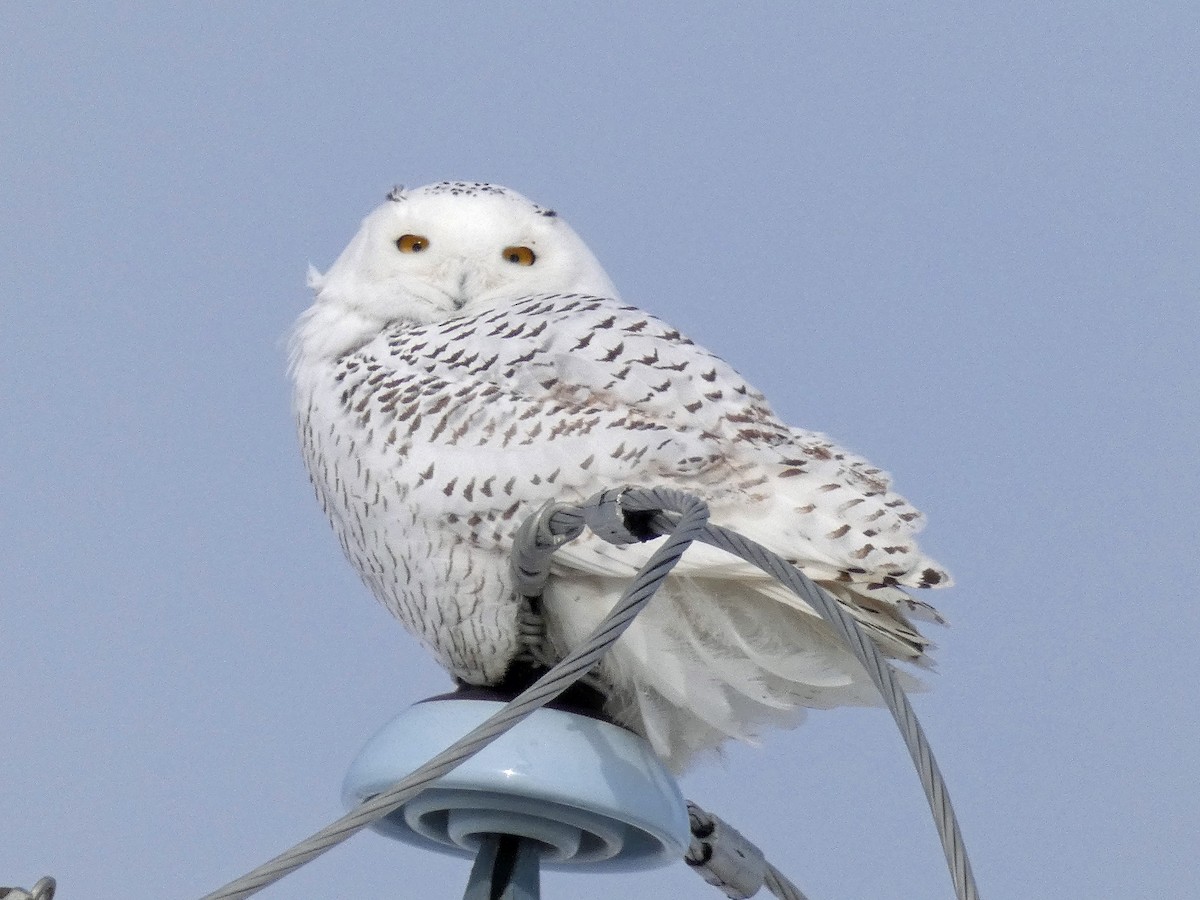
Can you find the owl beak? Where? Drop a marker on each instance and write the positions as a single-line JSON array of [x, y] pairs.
[[452, 283], [462, 289], [460, 298]]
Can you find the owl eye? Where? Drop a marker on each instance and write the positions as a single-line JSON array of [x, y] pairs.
[[412, 243], [522, 256]]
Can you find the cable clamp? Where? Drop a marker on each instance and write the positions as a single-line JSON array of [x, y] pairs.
[[723, 857], [606, 516], [43, 890]]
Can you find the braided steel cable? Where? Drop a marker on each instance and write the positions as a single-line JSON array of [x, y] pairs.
[[881, 673], [628, 516], [597, 512]]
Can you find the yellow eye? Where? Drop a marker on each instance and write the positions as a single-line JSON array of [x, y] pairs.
[[412, 243], [522, 256]]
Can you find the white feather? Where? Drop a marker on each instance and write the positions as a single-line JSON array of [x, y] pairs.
[[443, 395]]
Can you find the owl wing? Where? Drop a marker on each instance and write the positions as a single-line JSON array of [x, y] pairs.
[[562, 395]]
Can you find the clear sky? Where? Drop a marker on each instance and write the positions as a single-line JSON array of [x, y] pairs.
[[961, 238]]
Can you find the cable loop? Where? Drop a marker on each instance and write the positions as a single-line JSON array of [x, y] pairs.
[[553, 525]]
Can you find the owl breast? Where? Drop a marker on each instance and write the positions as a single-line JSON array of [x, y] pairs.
[[429, 445]]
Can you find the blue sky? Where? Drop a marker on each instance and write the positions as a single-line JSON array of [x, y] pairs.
[[962, 240]]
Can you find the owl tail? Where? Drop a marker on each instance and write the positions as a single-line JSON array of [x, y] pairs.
[[713, 659]]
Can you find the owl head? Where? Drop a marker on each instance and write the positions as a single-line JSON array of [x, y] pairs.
[[452, 248]]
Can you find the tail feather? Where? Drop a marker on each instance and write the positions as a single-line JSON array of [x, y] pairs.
[[711, 659]]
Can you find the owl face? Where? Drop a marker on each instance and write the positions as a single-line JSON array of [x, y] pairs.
[[451, 248]]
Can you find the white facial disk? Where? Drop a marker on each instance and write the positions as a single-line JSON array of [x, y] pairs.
[[451, 248]]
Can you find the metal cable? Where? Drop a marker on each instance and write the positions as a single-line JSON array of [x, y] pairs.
[[693, 516], [777, 883], [43, 890], [682, 519], [648, 501]]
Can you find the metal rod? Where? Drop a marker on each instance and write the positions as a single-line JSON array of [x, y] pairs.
[[507, 867]]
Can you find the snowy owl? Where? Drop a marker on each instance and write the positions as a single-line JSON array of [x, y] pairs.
[[467, 359]]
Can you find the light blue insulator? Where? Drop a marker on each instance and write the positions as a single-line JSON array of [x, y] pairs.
[[593, 794]]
